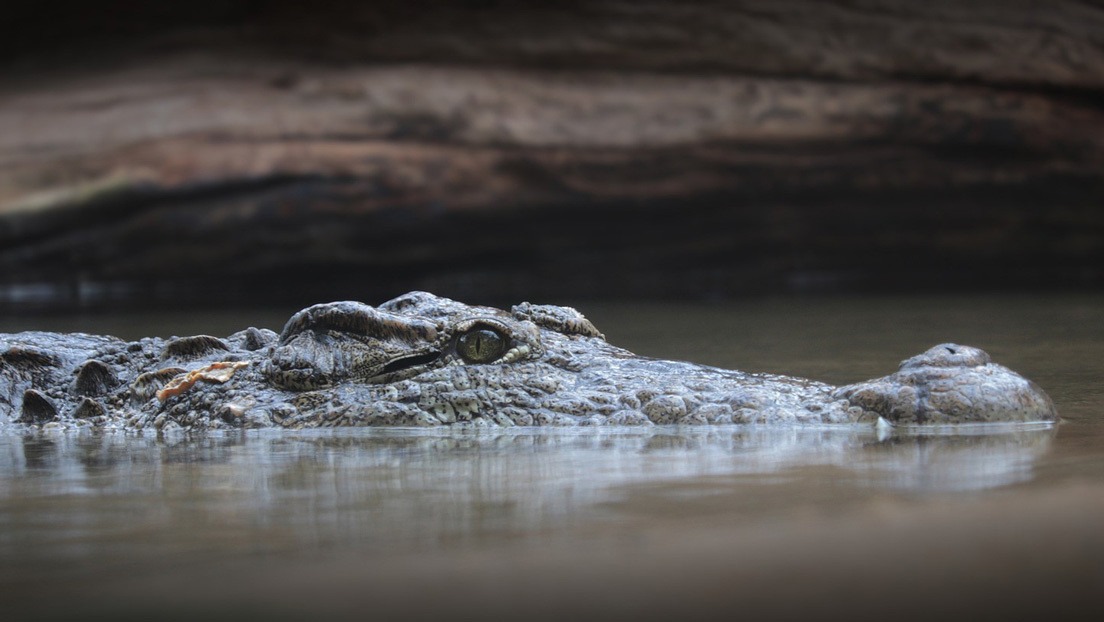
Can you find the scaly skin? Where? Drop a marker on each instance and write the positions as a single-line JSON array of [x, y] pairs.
[[422, 360]]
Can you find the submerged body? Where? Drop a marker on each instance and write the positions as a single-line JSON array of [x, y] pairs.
[[422, 360]]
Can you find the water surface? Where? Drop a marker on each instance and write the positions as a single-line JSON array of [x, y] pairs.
[[688, 522]]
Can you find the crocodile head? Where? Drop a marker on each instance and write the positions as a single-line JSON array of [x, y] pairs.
[[423, 360]]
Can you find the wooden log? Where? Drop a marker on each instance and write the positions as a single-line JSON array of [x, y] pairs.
[[765, 146]]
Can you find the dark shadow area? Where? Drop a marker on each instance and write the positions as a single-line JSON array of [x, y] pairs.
[[265, 153]]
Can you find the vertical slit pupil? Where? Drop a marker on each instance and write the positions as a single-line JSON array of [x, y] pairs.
[[482, 345]]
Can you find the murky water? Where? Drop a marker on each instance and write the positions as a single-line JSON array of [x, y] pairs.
[[664, 522]]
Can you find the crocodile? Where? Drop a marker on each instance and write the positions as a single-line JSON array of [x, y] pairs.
[[425, 360]]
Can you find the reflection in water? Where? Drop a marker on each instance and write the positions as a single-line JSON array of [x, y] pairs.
[[513, 462], [409, 488]]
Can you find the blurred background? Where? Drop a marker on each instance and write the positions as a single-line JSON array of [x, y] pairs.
[[181, 168], [243, 152]]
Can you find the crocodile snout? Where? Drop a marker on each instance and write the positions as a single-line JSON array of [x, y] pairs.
[[950, 384]]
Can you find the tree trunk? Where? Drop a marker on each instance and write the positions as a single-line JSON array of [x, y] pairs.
[[657, 148]]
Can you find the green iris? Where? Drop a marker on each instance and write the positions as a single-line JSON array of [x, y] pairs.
[[481, 345]]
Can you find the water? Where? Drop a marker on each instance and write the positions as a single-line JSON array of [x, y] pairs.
[[664, 522]]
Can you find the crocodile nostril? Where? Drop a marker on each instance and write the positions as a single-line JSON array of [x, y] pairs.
[[947, 355]]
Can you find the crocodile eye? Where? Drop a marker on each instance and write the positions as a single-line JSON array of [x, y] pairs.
[[481, 345]]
